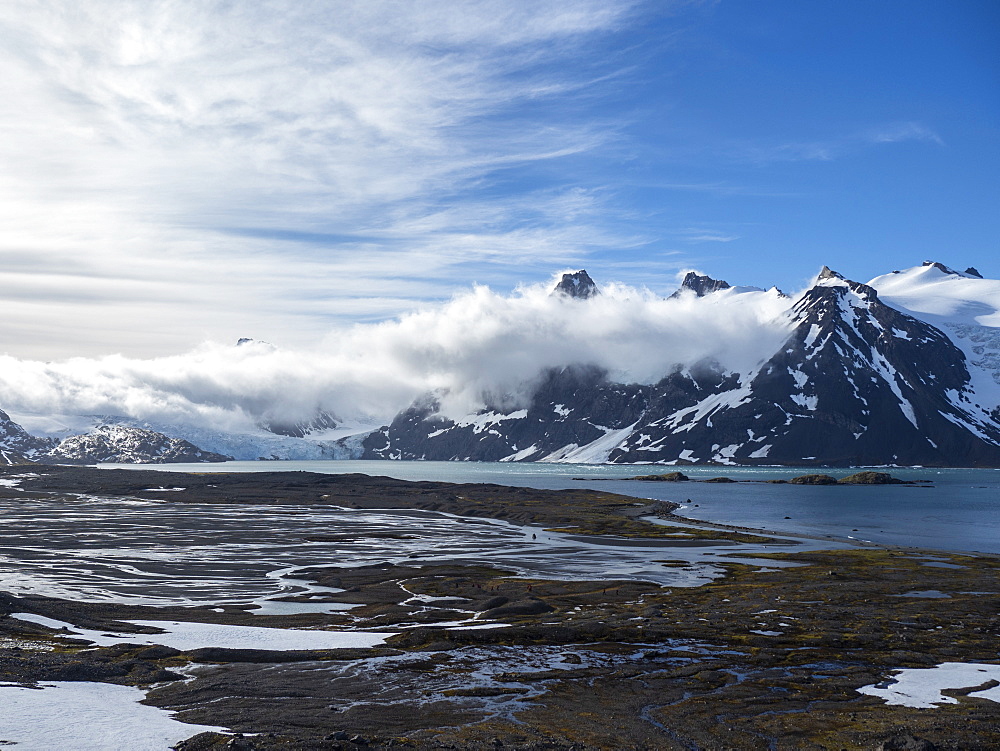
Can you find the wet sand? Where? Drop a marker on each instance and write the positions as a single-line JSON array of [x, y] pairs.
[[770, 655]]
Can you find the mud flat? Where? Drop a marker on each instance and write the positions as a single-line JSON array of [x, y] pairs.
[[785, 646]]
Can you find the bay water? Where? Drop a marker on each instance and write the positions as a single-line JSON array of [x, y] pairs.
[[958, 511]]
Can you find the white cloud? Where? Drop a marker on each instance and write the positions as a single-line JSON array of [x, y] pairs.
[[479, 342], [175, 170], [699, 235], [907, 131], [836, 147]]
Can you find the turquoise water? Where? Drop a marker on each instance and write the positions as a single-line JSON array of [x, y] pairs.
[[961, 512]]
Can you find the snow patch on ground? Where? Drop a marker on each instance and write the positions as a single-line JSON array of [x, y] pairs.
[[87, 717], [922, 687], [188, 636]]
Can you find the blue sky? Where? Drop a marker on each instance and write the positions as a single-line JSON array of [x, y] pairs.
[[202, 170]]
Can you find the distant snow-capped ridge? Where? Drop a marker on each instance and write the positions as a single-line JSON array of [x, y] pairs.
[[120, 444], [117, 444], [92, 439], [904, 370]]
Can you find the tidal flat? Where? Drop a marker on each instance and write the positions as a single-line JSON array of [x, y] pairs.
[[485, 617]]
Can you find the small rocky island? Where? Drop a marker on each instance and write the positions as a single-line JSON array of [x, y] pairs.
[[866, 477]]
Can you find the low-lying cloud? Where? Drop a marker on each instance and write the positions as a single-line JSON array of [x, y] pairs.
[[478, 343]]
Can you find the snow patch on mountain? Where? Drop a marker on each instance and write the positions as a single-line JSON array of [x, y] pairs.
[[964, 306], [595, 452]]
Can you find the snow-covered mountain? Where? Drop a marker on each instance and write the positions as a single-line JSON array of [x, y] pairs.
[[903, 370], [120, 444], [105, 443], [965, 307], [316, 442], [857, 381], [16, 444]]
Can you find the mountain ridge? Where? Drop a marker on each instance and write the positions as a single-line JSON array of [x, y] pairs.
[[902, 370], [857, 382]]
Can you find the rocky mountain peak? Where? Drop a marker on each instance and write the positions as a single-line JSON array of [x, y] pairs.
[[827, 273], [830, 282], [321, 421], [971, 271], [122, 444], [701, 284], [577, 284], [940, 267]]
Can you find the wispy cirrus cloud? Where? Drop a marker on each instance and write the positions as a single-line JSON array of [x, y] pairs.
[[257, 168], [836, 147], [702, 235]]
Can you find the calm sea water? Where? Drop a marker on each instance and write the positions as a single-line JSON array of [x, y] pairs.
[[961, 512]]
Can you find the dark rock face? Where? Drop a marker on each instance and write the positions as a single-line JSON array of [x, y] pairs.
[[701, 285], [971, 271], [17, 446], [578, 285], [119, 444], [547, 425], [855, 383], [322, 421]]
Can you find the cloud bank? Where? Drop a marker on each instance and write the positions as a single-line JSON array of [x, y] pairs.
[[478, 343]]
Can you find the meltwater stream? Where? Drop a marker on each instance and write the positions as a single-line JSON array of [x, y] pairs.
[[160, 552]]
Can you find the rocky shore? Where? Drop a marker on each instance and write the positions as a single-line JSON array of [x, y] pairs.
[[763, 658]]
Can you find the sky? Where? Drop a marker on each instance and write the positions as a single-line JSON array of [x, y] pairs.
[[177, 173]]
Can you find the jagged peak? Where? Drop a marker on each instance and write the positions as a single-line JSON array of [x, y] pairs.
[[940, 267], [576, 284], [700, 284], [972, 271], [828, 278]]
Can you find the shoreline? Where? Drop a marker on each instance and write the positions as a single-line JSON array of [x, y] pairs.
[[965, 498]]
